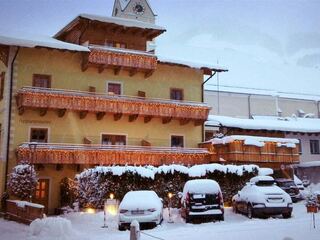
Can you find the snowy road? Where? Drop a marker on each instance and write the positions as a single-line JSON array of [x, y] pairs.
[[88, 226]]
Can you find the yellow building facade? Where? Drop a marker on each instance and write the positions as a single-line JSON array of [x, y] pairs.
[[93, 95]]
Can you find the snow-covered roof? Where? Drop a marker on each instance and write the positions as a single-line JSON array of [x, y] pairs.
[[262, 92], [256, 141], [191, 64], [286, 124], [30, 40], [114, 20], [310, 164]]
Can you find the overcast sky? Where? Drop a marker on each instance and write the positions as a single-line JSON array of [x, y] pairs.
[[273, 44]]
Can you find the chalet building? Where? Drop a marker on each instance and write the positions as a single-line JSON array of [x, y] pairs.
[[93, 94], [266, 113]]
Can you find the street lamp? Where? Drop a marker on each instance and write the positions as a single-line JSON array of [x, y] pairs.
[[170, 195], [32, 148]]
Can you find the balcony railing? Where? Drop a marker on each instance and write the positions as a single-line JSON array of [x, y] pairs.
[[119, 58], [237, 152], [53, 153], [62, 100]]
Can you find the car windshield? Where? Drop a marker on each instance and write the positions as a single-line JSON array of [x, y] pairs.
[[286, 184], [264, 183]]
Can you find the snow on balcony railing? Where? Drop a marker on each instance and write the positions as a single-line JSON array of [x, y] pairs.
[[121, 50], [103, 102], [55, 153]]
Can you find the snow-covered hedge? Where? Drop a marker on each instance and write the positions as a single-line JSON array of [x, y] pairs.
[[95, 184]]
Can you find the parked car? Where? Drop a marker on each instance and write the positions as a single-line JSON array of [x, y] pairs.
[[298, 182], [143, 206], [262, 197], [202, 199], [289, 187]]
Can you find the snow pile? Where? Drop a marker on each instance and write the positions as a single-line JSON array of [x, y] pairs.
[[265, 171], [253, 142], [133, 200], [52, 228], [120, 170], [201, 186], [22, 204], [150, 171]]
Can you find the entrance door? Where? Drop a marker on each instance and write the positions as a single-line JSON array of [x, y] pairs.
[[41, 195]]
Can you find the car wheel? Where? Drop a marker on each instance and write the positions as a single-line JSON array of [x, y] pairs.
[[121, 227], [286, 215], [188, 219], [221, 217], [234, 207], [250, 213]]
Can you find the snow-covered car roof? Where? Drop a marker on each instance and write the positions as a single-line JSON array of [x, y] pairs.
[[261, 178], [140, 200], [201, 186]]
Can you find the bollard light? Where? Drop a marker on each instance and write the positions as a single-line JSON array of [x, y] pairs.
[[111, 206], [170, 195]]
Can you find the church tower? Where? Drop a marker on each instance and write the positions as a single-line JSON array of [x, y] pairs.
[[134, 9]]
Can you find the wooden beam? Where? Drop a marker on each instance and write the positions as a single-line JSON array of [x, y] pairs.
[[133, 72], [166, 120], [117, 116], [21, 110], [101, 68], [43, 111], [133, 117], [85, 62], [59, 167], [147, 119], [83, 114], [198, 122], [61, 112], [100, 115], [148, 74], [117, 70], [184, 121]]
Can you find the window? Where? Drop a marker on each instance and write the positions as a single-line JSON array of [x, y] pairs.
[[2, 75], [115, 44], [314, 147], [177, 141], [110, 139], [176, 94], [41, 80], [300, 146], [209, 134], [39, 135], [114, 88]]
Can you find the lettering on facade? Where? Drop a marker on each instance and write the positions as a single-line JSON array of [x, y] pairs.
[[34, 121]]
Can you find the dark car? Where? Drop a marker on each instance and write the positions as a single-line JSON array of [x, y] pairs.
[[202, 199], [289, 187]]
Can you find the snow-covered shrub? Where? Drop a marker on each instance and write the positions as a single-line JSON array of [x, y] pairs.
[[91, 189], [67, 192], [22, 181]]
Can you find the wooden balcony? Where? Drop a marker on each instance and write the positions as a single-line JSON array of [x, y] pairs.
[[43, 99], [238, 153], [134, 61], [49, 153]]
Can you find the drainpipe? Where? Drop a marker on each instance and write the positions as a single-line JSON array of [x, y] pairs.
[[249, 106], [9, 117], [202, 100], [318, 108]]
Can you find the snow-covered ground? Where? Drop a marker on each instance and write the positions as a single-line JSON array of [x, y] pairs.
[[87, 226]]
